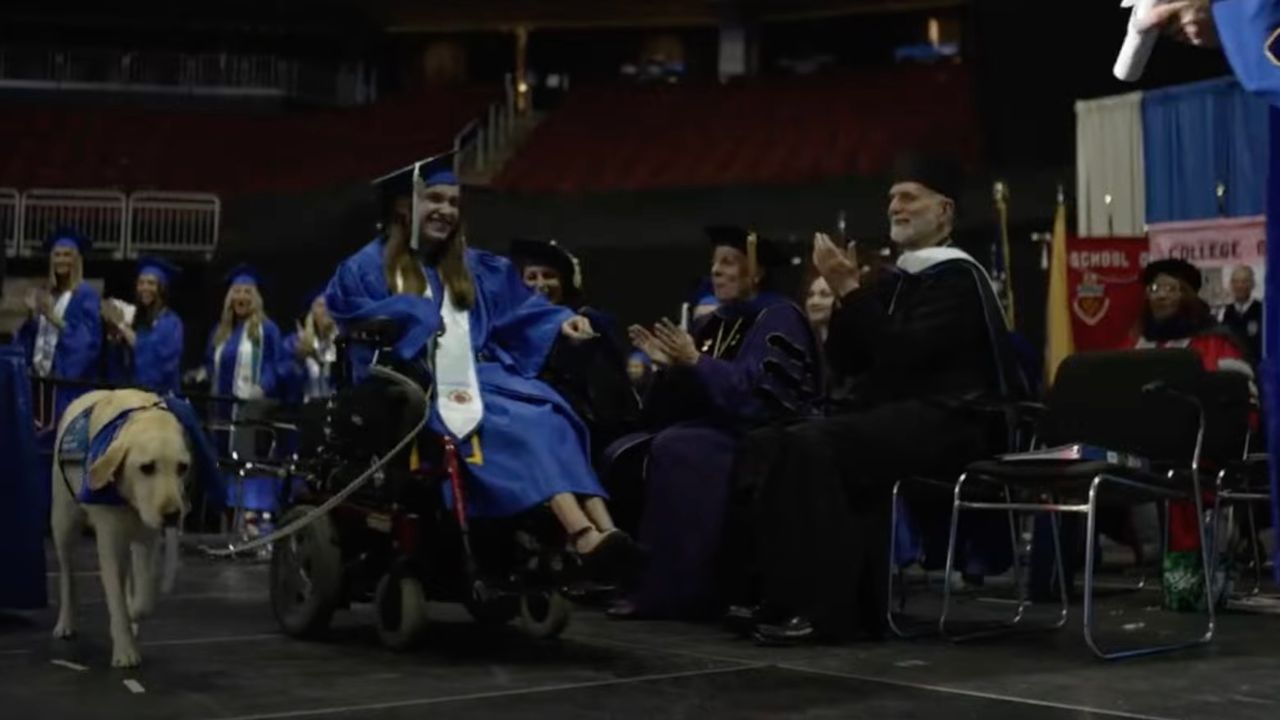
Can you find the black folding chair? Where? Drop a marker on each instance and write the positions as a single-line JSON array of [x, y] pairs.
[[1017, 422], [1141, 419]]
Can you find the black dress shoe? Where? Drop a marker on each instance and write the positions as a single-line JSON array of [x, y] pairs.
[[794, 631]]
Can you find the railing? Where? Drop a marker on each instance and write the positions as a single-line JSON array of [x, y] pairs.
[[170, 222], [10, 219], [96, 214], [489, 134], [118, 225], [346, 82]]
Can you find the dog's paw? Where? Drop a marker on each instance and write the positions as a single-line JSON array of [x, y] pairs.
[[64, 630], [125, 655]]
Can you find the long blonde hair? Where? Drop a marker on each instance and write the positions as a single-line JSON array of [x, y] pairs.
[[74, 278], [404, 275], [253, 325]]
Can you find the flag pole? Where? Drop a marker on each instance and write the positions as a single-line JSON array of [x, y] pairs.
[[1001, 192]]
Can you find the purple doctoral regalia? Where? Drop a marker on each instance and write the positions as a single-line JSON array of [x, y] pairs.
[[688, 474], [530, 445]]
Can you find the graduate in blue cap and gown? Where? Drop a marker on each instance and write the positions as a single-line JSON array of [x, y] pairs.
[[523, 443], [145, 339], [63, 332], [243, 361], [750, 362], [243, 354], [310, 355]]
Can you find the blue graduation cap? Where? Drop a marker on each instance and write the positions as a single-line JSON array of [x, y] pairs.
[[433, 170], [162, 270], [67, 237], [243, 274]]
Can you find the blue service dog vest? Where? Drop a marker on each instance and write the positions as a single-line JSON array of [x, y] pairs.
[[77, 446]]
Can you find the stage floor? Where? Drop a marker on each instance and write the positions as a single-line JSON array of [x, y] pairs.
[[213, 651]]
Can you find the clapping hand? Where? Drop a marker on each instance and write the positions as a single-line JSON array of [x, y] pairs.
[[836, 265], [676, 343], [649, 345]]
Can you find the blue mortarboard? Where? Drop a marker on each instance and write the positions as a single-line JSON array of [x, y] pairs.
[[243, 274], [163, 270], [67, 237], [434, 170]]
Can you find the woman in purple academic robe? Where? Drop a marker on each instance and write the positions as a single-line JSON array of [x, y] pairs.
[[750, 362]]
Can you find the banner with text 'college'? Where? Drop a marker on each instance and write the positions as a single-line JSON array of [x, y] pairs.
[[1217, 246], [1104, 279]]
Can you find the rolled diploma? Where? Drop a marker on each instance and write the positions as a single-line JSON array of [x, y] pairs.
[[1137, 46]]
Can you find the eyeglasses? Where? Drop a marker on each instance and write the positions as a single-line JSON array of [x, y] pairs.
[[1164, 288]]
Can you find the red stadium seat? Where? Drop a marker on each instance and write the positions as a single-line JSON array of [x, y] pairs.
[[750, 132]]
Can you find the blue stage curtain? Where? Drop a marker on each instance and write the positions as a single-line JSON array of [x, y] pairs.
[[1196, 135], [24, 492]]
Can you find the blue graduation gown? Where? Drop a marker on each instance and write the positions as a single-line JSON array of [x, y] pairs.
[[79, 347], [688, 477], [1250, 35], [266, 373], [293, 374], [154, 362], [530, 445]]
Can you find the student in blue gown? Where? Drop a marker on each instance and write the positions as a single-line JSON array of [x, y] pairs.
[[243, 354], [243, 361], [146, 349], [526, 445], [713, 384], [310, 355], [63, 332]]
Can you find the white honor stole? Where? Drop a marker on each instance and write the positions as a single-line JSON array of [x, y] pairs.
[[457, 387]]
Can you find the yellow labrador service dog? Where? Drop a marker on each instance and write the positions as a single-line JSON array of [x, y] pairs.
[[120, 461]]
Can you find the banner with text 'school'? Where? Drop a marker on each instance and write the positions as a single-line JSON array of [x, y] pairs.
[[1104, 279]]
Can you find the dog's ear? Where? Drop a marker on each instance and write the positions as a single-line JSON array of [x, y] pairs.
[[103, 470]]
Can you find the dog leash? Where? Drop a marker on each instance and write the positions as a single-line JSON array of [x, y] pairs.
[[297, 525]]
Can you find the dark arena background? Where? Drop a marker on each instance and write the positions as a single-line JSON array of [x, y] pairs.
[[220, 133]]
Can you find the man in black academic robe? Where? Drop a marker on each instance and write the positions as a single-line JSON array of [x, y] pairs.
[[1244, 315], [928, 339]]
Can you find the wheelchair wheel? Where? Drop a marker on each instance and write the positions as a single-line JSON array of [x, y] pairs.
[[498, 611], [543, 615], [306, 576], [401, 607]]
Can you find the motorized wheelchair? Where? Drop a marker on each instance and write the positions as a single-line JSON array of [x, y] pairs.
[[380, 530]]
